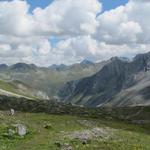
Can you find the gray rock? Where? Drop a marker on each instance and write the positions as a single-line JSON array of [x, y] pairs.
[[12, 112], [66, 146], [21, 130]]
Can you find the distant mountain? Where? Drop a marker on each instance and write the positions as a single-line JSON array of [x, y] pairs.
[[118, 83], [46, 81], [86, 62], [23, 67], [58, 67], [3, 66], [19, 89]]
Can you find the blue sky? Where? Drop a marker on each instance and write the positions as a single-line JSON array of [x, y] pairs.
[[111, 4], [39, 3], [107, 4]]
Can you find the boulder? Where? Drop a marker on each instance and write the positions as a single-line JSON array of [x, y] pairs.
[[12, 112], [21, 130]]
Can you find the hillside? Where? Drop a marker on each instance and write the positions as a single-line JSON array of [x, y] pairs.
[[75, 132], [19, 89], [118, 83], [46, 81]]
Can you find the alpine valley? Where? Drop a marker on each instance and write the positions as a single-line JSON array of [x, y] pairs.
[[115, 82]]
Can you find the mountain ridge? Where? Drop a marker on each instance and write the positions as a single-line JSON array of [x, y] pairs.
[[116, 82], [113, 78], [44, 79]]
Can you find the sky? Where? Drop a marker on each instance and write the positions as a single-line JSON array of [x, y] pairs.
[[39, 3], [46, 32], [112, 4], [107, 4]]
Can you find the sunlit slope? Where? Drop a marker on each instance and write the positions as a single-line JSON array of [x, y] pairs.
[[17, 89]]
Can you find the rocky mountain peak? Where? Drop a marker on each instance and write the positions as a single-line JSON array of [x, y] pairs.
[[23, 67], [3, 66], [86, 62], [116, 76], [58, 67]]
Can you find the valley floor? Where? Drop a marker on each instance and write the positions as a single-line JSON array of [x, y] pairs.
[[55, 132]]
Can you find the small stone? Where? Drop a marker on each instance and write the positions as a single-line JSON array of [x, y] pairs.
[[67, 147], [21, 130], [48, 126], [12, 112]]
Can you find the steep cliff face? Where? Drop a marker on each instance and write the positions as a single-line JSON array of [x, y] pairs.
[[114, 78]]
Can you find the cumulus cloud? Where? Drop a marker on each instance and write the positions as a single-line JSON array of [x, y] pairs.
[[78, 47], [126, 24], [122, 31], [27, 35], [14, 18], [69, 17]]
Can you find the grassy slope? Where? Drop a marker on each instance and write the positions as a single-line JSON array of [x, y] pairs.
[[6, 86], [13, 89], [126, 137]]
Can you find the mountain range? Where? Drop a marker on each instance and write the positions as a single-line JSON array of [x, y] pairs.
[[116, 82], [120, 82], [43, 82]]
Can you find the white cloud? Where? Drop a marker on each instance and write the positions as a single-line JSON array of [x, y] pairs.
[[4, 50], [78, 47], [68, 17], [126, 24], [27, 35], [44, 47], [124, 30], [14, 18]]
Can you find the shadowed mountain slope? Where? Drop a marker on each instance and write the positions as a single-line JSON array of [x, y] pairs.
[[117, 83]]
